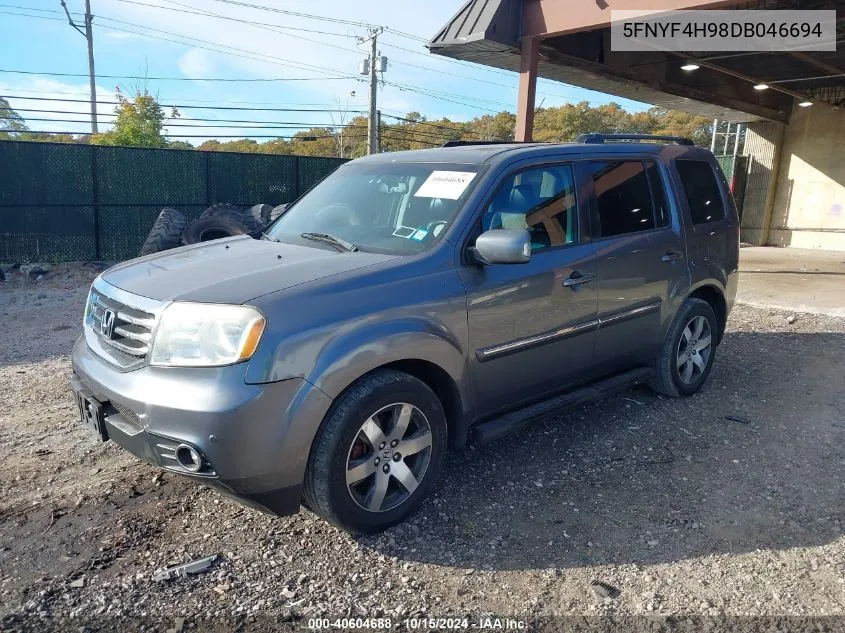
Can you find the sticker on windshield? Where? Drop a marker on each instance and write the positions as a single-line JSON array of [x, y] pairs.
[[445, 184], [419, 235]]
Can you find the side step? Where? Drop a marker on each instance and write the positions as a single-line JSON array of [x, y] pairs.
[[518, 420]]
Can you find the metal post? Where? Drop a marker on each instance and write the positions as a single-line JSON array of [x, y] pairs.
[[378, 131], [372, 123], [727, 139], [736, 142], [713, 138], [89, 35]]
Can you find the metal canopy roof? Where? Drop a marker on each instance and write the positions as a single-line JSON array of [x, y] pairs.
[[488, 32]]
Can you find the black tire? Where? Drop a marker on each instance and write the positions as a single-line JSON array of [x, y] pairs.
[[166, 232], [226, 210], [278, 210], [668, 378], [212, 228], [260, 213], [219, 208], [326, 492]]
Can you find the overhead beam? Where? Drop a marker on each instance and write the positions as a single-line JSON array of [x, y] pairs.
[[812, 61], [544, 18], [661, 85]]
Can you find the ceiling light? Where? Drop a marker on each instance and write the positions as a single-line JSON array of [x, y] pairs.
[[690, 67], [805, 104], [761, 87]]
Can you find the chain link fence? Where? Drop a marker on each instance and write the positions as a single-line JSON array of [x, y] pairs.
[[63, 202]]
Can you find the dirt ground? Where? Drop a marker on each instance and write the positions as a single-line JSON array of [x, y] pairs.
[[725, 507]]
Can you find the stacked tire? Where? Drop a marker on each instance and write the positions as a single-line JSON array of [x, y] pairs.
[[172, 228]]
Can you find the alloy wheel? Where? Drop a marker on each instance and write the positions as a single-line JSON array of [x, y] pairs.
[[694, 349], [388, 457]]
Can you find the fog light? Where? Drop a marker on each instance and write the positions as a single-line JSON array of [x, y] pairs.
[[188, 458]]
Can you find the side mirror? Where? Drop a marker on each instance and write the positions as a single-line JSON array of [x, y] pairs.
[[502, 246]]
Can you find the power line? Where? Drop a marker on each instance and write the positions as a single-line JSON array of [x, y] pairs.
[[271, 59], [193, 107], [205, 136], [207, 120], [40, 17], [233, 79], [215, 101], [300, 126], [298, 14], [210, 14]]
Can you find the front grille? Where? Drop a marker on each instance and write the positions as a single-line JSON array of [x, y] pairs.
[[119, 326], [124, 328]]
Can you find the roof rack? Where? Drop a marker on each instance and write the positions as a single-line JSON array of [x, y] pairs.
[[596, 138], [462, 143]]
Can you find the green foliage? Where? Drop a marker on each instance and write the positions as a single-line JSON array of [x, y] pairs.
[[11, 123], [139, 122]]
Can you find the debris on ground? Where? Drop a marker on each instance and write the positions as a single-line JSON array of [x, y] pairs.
[[604, 590], [194, 567], [748, 519]]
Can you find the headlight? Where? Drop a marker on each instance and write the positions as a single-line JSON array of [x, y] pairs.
[[205, 335]]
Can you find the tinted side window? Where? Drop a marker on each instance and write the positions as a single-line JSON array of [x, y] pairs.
[[623, 197], [540, 200], [702, 191]]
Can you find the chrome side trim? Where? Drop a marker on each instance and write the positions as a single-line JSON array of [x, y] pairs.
[[519, 345], [497, 351], [628, 314]]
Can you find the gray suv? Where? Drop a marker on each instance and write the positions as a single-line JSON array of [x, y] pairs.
[[410, 303]]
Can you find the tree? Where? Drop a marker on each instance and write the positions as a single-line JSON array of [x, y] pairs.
[[139, 122], [11, 123]]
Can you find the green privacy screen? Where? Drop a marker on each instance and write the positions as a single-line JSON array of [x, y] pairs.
[[63, 202]]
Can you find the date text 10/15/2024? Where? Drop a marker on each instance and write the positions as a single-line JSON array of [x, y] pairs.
[[417, 624]]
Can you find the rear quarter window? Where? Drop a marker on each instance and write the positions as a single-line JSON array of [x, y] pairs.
[[701, 188]]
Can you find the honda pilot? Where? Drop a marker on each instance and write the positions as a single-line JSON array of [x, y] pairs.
[[409, 304]]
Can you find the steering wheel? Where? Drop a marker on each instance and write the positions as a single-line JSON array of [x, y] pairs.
[[338, 213], [434, 228]]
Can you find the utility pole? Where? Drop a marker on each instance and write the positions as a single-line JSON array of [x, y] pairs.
[[88, 33], [372, 67]]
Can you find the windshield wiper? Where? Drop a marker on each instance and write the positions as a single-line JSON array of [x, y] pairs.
[[331, 239]]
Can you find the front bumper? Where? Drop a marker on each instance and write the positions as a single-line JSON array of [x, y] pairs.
[[254, 439]]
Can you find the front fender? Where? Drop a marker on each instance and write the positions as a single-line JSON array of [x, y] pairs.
[[345, 359]]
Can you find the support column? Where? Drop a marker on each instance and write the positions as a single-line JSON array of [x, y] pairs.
[[763, 144], [527, 89]]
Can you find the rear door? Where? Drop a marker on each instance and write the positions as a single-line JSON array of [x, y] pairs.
[[532, 325], [642, 259], [714, 229]]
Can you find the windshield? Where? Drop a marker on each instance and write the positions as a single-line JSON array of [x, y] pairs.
[[397, 208]]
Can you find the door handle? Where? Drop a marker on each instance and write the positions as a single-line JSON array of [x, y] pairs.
[[671, 256], [576, 279]]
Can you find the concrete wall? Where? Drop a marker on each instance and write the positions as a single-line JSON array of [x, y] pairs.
[[809, 203], [763, 141]]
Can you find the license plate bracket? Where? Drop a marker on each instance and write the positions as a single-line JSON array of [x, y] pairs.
[[91, 415]]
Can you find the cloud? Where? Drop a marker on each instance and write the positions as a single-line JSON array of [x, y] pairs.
[[53, 97], [196, 64], [120, 35]]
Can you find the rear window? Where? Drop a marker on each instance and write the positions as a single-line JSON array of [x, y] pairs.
[[702, 191]]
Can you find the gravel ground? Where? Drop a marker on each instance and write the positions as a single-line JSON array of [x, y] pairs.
[[726, 504]]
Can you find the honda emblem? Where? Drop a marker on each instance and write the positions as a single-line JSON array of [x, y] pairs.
[[107, 324]]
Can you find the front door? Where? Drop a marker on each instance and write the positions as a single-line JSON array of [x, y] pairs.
[[532, 325]]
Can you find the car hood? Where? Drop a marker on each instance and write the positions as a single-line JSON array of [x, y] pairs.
[[232, 270]]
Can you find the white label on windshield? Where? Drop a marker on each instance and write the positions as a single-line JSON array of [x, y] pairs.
[[445, 184]]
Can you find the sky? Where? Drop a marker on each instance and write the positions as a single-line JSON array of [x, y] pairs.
[[313, 64]]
